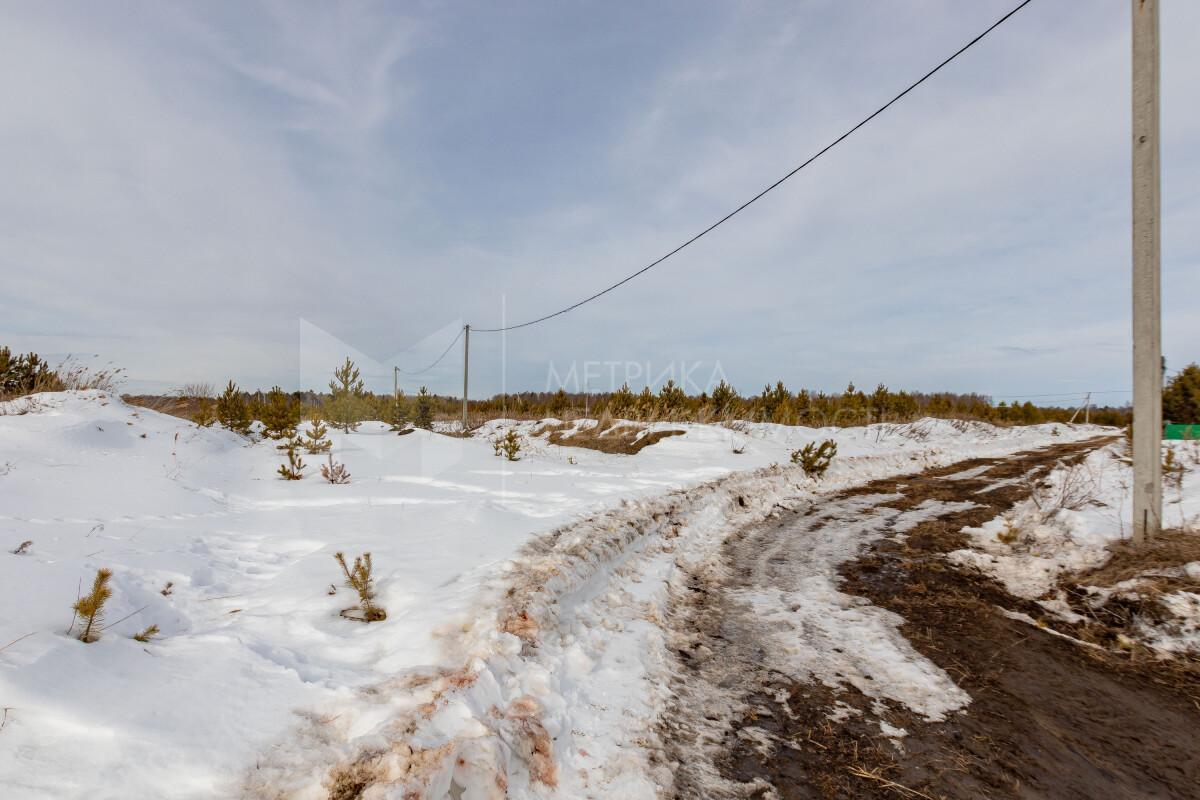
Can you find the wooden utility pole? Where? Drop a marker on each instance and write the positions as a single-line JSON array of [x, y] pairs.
[[1147, 292], [466, 365]]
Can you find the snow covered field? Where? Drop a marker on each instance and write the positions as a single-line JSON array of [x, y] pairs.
[[256, 684]]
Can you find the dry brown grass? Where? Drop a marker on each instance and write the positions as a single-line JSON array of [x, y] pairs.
[[182, 407], [1164, 551]]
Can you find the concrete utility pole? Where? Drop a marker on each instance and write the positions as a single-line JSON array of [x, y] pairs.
[[466, 365], [1147, 291]]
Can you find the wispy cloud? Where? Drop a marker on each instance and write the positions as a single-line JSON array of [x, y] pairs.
[[196, 179]]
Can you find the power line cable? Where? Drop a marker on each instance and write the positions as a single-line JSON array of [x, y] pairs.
[[439, 358], [770, 188], [1062, 394]]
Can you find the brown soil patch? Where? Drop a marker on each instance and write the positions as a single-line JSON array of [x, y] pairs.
[[623, 438], [1049, 717], [1169, 549]]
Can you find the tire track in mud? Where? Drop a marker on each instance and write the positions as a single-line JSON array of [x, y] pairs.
[[1046, 717]]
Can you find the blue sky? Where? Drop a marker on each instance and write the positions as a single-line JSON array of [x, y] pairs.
[[206, 191]]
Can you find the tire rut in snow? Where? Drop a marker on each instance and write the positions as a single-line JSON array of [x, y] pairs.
[[788, 701]]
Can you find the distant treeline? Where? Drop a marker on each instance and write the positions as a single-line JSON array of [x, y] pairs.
[[776, 404], [348, 401]]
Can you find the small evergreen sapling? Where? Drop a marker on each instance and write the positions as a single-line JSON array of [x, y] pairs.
[[815, 460], [396, 413], [232, 411], [280, 414], [347, 398], [89, 609], [359, 579], [335, 472], [314, 441], [294, 469], [424, 417], [508, 445], [205, 414]]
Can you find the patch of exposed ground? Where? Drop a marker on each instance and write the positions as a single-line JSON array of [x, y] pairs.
[[623, 438], [1048, 716], [1127, 598]]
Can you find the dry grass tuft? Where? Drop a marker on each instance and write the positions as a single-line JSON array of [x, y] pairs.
[[146, 634]]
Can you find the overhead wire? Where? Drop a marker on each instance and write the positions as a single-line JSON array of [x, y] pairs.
[[1061, 394], [437, 361], [768, 189]]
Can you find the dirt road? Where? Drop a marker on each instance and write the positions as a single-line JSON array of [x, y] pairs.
[[795, 678]]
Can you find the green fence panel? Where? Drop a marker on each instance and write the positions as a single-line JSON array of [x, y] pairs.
[[1181, 431]]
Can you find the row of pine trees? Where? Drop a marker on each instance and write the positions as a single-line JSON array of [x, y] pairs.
[[348, 403], [346, 406]]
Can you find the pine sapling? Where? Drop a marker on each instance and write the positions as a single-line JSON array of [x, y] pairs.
[[280, 414], [89, 609], [147, 634], [205, 414], [232, 411], [335, 471], [508, 445], [347, 398], [359, 579], [294, 469], [314, 441], [815, 460], [424, 418], [396, 413]]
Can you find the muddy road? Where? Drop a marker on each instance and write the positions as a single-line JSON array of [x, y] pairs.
[[832, 652]]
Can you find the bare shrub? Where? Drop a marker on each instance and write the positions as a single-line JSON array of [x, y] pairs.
[[1066, 489], [335, 472], [815, 459], [359, 579], [89, 609], [196, 391], [1174, 469]]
